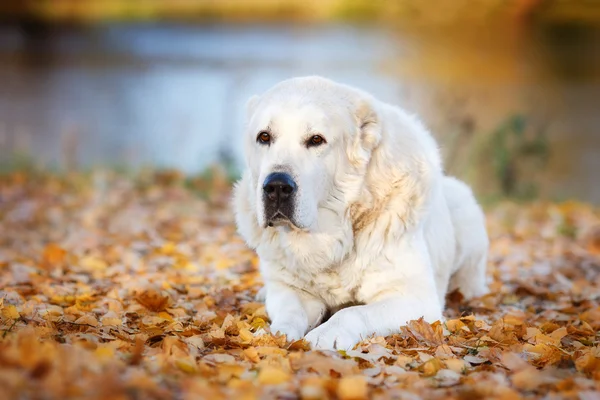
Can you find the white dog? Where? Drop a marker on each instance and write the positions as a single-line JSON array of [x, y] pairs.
[[346, 203]]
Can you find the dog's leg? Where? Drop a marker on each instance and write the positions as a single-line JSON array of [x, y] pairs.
[[395, 290], [470, 279], [471, 238], [351, 325], [292, 313]]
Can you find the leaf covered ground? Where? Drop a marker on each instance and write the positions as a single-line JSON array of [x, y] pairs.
[[116, 288]]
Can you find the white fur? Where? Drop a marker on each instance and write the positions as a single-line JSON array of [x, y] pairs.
[[378, 224]]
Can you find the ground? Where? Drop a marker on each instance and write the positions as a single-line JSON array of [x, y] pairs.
[[114, 287]]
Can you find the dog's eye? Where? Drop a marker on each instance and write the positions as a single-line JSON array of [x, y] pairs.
[[263, 138], [316, 140]]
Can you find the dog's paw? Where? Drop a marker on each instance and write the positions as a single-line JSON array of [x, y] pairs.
[[331, 337], [474, 291], [292, 331]]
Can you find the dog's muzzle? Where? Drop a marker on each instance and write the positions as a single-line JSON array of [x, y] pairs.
[[278, 196]]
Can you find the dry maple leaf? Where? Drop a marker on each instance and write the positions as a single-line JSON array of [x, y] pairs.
[[153, 300], [431, 335]]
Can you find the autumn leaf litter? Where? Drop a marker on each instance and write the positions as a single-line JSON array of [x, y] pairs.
[[114, 287]]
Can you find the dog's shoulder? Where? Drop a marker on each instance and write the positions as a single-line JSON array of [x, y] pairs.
[[405, 169]]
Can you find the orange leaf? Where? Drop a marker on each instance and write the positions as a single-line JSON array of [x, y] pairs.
[[153, 300], [54, 254], [352, 388], [272, 376], [426, 333], [431, 367]]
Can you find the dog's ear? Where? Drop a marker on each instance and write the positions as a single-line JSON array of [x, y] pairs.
[[251, 105], [368, 134]]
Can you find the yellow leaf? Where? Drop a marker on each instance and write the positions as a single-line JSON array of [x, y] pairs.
[[87, 320], [246, 335], [454, 325], [224, 263], [431, 367], [258, 323], [455, 365], [66, 300], [85, 302], [352, 388], [252, 354], [168, 248], [112, 321], [186, 265], [220, 358], [10, 312], [261, 312], [105, 352], [559, 334], [186, 365], [227, 372], [272, 376], [269, 351], [165, 315], [91, 263]]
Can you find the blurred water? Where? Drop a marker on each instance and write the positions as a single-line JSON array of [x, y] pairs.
[[173, 96]]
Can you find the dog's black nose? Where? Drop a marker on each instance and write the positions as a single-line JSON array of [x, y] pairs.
[[279, 186]]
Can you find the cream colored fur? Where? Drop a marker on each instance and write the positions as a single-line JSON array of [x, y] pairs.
[[381, 233]]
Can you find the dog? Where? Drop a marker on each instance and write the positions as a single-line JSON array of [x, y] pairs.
[[345, 201]]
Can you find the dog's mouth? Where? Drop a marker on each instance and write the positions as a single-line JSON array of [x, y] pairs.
[[278, 218]]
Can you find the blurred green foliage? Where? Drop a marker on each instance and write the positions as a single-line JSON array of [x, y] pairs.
[[513, 146]]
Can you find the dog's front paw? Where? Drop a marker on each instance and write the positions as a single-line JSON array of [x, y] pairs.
[[291, 330], [331, 337]]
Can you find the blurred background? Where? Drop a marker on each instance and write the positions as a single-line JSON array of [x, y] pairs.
[[511, 88]]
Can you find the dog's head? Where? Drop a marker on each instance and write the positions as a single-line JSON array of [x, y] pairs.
[[308, 143]]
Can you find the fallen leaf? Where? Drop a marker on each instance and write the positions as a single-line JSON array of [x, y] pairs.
[[87, 320], [272, 376], [425, 332], [352, 388], [10, 312], [54, 254], [153, 300]]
